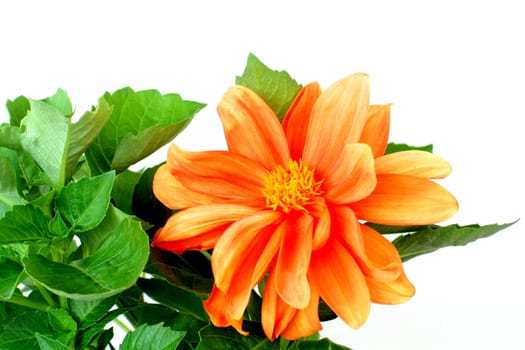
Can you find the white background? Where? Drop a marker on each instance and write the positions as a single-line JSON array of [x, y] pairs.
[[453, 69]]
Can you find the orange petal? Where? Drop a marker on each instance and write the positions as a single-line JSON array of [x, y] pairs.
[[293, 260], [223, 175], [198, 227], [375, 255], [295, 123], [175, 195], [230, 250], [215, 306], [305, 321], [415, 163], [338, 117], [322, 223], [406, 200], [251, 127], [376, 129], [393, 292], [275, 314], [340, 282], [353, 178]]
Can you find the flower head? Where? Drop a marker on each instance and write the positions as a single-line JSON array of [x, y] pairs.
[[287, 201]]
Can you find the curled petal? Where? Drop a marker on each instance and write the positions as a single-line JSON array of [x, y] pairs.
[[223, 175], [275, 313], [293, 260], [305, 321], [353, 178], [392, 292], [340, 283], [415, 163], [231, 248], [198, 227], [376, 256], [406, 200], [215, 306], [338, 117], [252, 128], [295, 123], [376, 129], [170, 192]]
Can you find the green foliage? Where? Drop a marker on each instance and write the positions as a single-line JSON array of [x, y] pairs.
[[155, 337], [276, 88], [399, 147]]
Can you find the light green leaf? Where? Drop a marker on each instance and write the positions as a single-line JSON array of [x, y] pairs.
[[10, 274], [155, 337], [60, 100], [48, 343], [84, 203], [277, 88], [10, 137], [140, 123], [431, 238], [17, 109], [179, 299], [85, 131], [9, 179], [46, 139], [399, 147], [111, 269], [24, 223]]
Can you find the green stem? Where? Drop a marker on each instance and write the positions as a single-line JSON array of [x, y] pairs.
[[122, 325], [23, 301], [206, 254], [45, 294]]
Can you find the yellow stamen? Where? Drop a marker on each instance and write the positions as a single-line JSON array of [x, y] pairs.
[[292, 188]]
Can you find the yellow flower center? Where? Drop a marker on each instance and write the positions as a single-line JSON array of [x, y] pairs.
[[292, 188]]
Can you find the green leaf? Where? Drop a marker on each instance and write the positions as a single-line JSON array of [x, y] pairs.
[[111, 269], [24, 223], [17, 109], [388, 229], [10, 137], [145, 204], [155, 337], [84, 132], [88, 312], [178, 299], [229, 339], [276, 88], [47, 343], [60, 100], [9, 179], [46, 139], [84, 203], [124, 189], [19, 332], [322, 344], [10, 274], [61, 321], [399, 147], [431, 238], [140, 123]]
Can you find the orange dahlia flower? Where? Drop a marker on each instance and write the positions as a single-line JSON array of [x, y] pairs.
[[288, 201]]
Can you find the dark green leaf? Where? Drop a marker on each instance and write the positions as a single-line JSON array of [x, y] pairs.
[[61, 321], [47, 148], [24, 223], [96, 331], [145, 204], [154, 337], [387, 229], [111, 269], [48, 343], [60, 100], [322, 344], [213, 338], [140, 123], [19, 332], [84, 132], [399, 147], [277, 88], [88, 312], [178, 299], [84, 203], [124, 189], [10, 274], [432, 238], [17, 109]]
